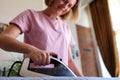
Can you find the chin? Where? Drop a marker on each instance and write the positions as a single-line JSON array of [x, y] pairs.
[[59, 13]]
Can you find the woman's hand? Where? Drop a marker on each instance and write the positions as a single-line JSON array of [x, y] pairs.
[[40, 57]]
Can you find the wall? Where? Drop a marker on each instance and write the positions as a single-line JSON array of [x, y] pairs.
[[10, 8]]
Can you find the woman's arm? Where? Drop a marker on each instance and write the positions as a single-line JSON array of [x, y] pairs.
[[72, 65], [9, 42]]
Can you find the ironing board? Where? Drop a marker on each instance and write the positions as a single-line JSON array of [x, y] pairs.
[[57, 78]]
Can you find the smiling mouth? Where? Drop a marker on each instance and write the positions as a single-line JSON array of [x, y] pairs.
[[62, 9]]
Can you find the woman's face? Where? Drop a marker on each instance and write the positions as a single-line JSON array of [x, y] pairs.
[[61, 7]]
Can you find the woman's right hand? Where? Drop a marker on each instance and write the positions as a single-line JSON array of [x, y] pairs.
[[41, 57]]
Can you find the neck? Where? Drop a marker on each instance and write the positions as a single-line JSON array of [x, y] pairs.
[[50, 13]]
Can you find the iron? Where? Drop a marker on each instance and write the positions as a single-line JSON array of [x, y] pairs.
[[60, 69]]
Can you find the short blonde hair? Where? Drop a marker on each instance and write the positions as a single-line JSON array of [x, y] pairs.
[[48, 2], [73, 13]]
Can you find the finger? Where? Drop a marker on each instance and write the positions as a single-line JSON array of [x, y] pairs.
[[39, 62], [35, 60], [53, 54], [43, 61], [48, 58]]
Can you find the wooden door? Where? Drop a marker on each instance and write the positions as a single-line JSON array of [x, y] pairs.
[[87, 51]]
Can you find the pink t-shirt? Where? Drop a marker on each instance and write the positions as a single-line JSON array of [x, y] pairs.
[[47, 34]]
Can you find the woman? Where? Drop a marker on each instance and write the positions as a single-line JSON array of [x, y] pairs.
[[45, 34]]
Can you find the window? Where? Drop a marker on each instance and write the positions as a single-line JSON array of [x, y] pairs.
[[114, 6]]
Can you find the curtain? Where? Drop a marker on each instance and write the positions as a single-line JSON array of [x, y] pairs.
[[105, 36]]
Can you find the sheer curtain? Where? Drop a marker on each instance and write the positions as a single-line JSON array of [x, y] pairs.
[[105, 36], [114, 6]]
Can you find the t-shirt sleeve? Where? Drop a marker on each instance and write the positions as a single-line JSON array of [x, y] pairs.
[[22, 21]]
